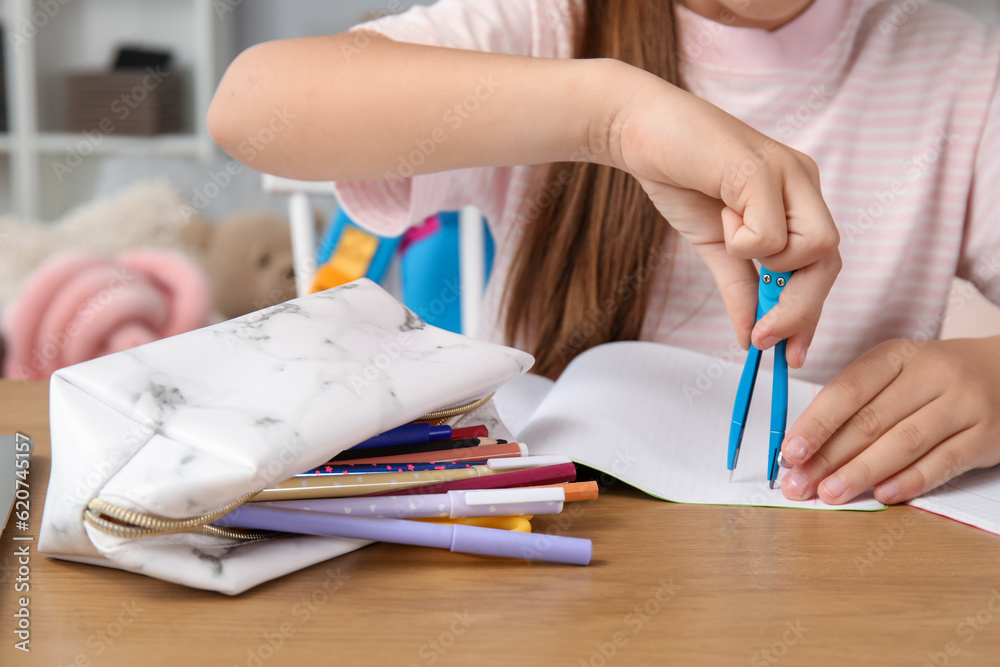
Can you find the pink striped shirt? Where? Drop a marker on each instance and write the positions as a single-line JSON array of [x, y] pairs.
[[897, 103]]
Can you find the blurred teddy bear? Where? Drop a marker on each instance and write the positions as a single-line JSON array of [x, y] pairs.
[[243, 263], [248, 261]]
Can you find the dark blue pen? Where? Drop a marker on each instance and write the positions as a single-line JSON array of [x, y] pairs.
[[407, 434]]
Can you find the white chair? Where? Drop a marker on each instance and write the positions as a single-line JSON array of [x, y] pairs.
[[472, 244]]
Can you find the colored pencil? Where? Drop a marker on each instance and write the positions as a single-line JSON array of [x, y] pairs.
[[480, 453], [433, 446]]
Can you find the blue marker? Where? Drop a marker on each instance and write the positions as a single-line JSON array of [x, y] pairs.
[[407, 434]]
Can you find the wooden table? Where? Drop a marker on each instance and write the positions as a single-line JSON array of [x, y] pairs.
[[670, 584]]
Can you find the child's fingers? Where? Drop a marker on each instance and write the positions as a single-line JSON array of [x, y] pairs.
[[857, 451], [759, 227], [841, 399], [737, 282], [779, 216], [798, 311], [904, 443], [949, 459], [812, 233]]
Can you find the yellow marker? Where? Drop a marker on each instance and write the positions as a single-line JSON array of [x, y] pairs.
[[521, 524]]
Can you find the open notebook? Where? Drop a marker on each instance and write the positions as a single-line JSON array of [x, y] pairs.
[[658, 417]]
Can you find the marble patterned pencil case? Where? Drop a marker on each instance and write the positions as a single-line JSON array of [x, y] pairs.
[[150, 443]]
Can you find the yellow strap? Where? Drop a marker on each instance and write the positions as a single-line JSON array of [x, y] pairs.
[[349, 261]]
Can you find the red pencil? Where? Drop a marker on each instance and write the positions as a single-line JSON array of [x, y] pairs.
[[563, 472], [469, 432]]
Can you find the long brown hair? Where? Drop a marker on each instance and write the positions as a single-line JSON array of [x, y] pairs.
[[580, 275]]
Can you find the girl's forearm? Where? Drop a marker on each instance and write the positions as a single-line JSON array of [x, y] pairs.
[[323, 108]]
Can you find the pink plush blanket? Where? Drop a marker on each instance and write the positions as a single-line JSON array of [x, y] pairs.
[[77, 306]]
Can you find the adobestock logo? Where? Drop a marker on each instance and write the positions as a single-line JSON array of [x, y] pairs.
[[884, 200], [898, 16]]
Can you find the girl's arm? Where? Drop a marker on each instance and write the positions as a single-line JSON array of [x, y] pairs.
[[324, 109], [356, 112]]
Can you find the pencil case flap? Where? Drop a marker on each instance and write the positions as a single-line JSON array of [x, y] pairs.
[[185, 426]]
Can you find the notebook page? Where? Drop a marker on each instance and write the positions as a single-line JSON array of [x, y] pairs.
[[517, 400], [658, 418], [972, 498]]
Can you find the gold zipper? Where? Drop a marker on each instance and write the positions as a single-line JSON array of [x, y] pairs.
[[130, 524], [441, 416]]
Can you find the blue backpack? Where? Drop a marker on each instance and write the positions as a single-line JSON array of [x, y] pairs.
[[429, 264]]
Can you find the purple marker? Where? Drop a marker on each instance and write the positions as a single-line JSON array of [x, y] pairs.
[[407, 434], [458, 538]]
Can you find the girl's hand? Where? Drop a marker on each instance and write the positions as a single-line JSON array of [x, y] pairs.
[[736, 195], [905, 418]]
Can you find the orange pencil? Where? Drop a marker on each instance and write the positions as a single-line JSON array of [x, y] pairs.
[[575, 490]]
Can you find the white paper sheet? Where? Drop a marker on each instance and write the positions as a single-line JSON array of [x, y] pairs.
[[972, 498]]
